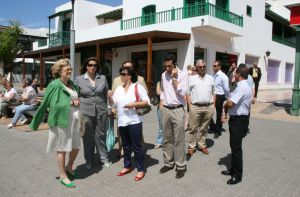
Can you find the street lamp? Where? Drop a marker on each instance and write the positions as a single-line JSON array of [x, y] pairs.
[[294, 6], [72, 42]]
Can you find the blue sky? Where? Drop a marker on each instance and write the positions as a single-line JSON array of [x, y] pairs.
[[34, 13]]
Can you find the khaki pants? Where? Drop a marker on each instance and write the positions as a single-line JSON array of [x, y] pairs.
[[199, 118], [173, 137]]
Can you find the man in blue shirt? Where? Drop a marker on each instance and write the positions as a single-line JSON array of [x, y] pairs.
[[238, 107]]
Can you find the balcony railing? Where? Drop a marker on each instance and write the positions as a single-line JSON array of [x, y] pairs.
[[181, 13], [283, 41], [42, 43], [59, 38]]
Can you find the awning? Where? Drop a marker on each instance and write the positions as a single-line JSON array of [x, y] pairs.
[[114, 14]]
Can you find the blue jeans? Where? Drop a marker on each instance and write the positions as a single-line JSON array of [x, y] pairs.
[[159, 138], [19, 112]]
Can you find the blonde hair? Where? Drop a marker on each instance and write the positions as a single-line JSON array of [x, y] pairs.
[[57, 67]]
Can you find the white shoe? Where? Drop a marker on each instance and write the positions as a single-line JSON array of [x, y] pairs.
[[24, 121], [10, 126], [106, 164]]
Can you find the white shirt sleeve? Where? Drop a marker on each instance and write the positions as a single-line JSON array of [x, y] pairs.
[[143, 93]]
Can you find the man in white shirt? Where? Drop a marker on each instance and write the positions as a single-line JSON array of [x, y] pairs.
[[200, 101], [173, 91], [221, 93]]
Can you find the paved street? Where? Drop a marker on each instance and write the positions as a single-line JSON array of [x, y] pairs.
[[271, 165]]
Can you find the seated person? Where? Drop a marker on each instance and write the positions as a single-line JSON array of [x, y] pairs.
[[3, 86], [29, 99], [9, 96], [34, 85]]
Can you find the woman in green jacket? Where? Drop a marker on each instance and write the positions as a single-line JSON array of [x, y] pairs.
[[61, 97]]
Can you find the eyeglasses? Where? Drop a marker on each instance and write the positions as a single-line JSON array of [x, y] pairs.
[[202, 67], [123, 74], [90, 65]]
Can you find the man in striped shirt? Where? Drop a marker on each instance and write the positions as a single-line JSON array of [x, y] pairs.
[[238, 107]]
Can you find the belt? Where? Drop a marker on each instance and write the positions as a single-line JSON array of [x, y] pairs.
[[202, 104], [239, 117], [173, 106]]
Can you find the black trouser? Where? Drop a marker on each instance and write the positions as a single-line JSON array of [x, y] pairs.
[[238, 127], [219, 109], [256, 84]]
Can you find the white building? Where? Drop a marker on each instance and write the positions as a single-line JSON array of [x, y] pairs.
[[145, 31]]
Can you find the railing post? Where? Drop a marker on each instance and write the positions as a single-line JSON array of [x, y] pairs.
[[173, 14], [121, 24]]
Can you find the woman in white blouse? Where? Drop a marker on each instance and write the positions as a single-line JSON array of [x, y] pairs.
[[129, 122], [9, 96]]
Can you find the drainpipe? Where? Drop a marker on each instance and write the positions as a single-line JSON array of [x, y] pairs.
[[295, 97], [72, 43]]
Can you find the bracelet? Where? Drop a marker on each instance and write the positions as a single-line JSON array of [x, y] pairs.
[[72, 102], [174, 78]]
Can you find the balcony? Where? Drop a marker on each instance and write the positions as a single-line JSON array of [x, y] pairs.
[[59, 38], [182, 13], [42, 43], [283, 41]]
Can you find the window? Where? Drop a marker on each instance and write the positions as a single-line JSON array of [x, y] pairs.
[[249, 10], [273, 71], [224, 4], [149, 15], [288, 73], [250, 60], [194, 8]]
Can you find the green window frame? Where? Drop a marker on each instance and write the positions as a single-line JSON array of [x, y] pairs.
[[193, 8], [249, 11], [149, 15]]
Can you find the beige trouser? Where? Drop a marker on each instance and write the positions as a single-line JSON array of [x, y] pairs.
[[173, 137], [199, 118]]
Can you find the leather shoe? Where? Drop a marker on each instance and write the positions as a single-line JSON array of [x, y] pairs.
[[227, 172], [190, 151], [234, 180], [138, 178], [204, 150], [217, 135], [180, 173], [165, 169], [125, 172]]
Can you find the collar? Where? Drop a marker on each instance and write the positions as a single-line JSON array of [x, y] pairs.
[[86, 76]]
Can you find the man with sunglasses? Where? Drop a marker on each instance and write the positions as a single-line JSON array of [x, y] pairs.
[[200, 101], [221, 93]]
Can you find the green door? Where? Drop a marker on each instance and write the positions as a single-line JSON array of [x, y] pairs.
[[149, 15], [193, 8]]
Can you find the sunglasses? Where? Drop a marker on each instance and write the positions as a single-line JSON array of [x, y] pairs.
[[90, 65], [215, 65], [202, 67], [124, 74]]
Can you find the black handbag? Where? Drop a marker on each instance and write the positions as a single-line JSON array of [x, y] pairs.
[[141, 110]]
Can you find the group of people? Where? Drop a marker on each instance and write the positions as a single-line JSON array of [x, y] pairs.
[[89, 96], [9, 96], [203, 94]]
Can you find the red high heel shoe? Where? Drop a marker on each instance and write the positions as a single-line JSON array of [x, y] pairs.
[[138, 178], [124, 173]]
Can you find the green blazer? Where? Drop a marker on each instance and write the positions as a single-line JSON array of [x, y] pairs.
[[57, 99]]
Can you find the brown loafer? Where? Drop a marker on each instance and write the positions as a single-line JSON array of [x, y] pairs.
[[190, 151], [204, 150]]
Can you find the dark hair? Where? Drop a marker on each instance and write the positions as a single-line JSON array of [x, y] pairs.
[[170, 57], [127, 61], [86, 62], [219, 63], [27, 81], [242, 70], [131, 72]]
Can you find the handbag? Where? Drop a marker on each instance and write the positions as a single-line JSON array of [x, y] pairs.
[[141, 110], [110, 137]]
